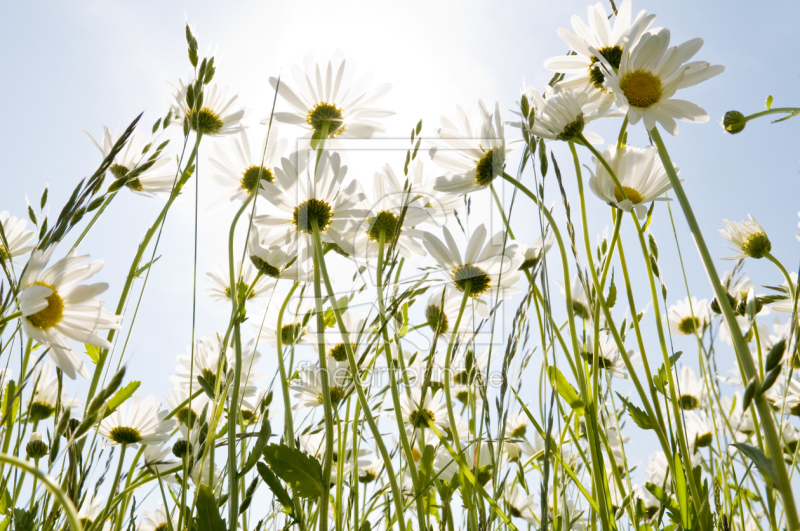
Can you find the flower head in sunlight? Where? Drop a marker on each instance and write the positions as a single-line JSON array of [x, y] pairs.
[[641, 174], [56, 308], [371, 471], [472, 150], [598, 37], [148, 174], [358, 331], [691, 390], [208, 361], [242, 164], [90, 509], [699, 428], [608, 357], [15, 239], [488, 269], [687, 317], [533, 255], [189, 411], [521, 505], [159, 520], [293, 329], [326, 99], [560, 115], [651, 73], [304, 199], [580, 302], [42, 403], [158, 460], [137, 421], [247, 286], [36, 447], [749, 238], [279, 255], [785, 395], [515, 443], [309, 387], [218, 115], [441, 205], [417, 414], [785, 305], [441, 311]]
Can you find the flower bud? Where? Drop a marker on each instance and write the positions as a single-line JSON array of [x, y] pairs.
[[36, 447], [734, 122]]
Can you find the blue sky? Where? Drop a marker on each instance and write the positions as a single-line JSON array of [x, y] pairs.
[[79, 66]]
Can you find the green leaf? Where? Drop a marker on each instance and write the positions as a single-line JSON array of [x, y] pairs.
[[611, 300], [302, 472], [640, 417], [93, 352], [758, 458], [121, 396], [565, 389], [208, 518], [146, 267], [206, 387], [404, 328], [666, 500], [261, 441], [769, 101], [649, 217], [275, 486], [24, 520], [426, 464], [680, 490]]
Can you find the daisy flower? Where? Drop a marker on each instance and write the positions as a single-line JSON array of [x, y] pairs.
[[55, 308], [521, 505], [143, 424], [472, 150], [202, 470], [533, 254], [641, 174], [441, 317], [279, 256], [609, 357], [691, 390], [789, 437], [158, 460], [190, 412], [687, 318], [740, 422], [561, 114], [444, 465], [240, 167], [440, 205], [156, 179], [158, 521], [598, 37], [487, 268], [219, 114], [469, 368], [371, 471], [246, 279], [293, 330], [314, 444], [302, 200], [749, 237], [651, 503], [15, 239], [208, 358], [791, 390], [580, 303], [785, 306], [326, 96], [309, 387], [651, 73], [358, 332], [43, 401], [515, 444], [90, 509], [699, 428], [416, 416]]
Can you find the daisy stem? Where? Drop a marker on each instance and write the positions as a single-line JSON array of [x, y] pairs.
[[33, 488], [326, 390], [114, 485], [10, 317], [777, 110], [394, 388], [740, 346], [288, 421], [397, 494], [785, 274], [448, 361], [63, 500]]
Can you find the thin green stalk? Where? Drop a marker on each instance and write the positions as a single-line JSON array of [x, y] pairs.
[[288, 421], [782, 482], [10, 317], [397, 494]]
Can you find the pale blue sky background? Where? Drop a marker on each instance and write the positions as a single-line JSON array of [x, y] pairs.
[[75, 66]]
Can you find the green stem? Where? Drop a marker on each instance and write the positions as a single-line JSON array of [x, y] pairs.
[[397, 494], [777, 110], [740, 346], [288, 432]]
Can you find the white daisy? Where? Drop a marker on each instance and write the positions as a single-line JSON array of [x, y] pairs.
[[278, 255], [490, 270], [521, 505], [309, 387], [358, 331], [314, 444], [785, 306], [415, 418], [37, 446], [190, 412], [158, 459], [468, 368], [243, 164], [55, 308], [691, 390], [200, 473], [370, 471], [686, 318], [533, 254], [218, 114], [14, 239], [441, 318], [650, 74], [302, 198], [294, 330], [740, 422], [208, 358], [158, 521], [699, 428], [157, 179], [560, 115], [326, 95], [749, 237], [473, 150], [515, 444], [744, 326], [246, 276], [440, 205], [791, 390], [789, 437], [444, 465], [609, 358], [90, 509], [42, 403], [143, 424], [580, 303], [598, 37], [639, 171], [651, 503]]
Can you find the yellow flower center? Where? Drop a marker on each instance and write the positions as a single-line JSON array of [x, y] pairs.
[[437, 319], [253, 174], [52, 315], [478, 279], [634, 196], [689, 325], [309, 211], [385, 222], [125, 435], [420, 419], [118, 170], [641, 88], [205, 121], [326, 113], [339, 352], [489, 167], [265, 267], [757, 245], [612, 54]]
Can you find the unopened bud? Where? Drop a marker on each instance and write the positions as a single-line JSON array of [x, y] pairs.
[[36, 447], [734, 122]]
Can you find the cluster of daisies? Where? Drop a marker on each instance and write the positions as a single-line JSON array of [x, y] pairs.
[[307, 196]]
